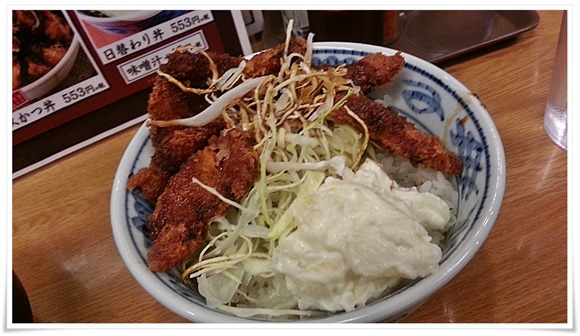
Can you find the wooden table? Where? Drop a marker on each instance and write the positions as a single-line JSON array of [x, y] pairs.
[[65, 255]]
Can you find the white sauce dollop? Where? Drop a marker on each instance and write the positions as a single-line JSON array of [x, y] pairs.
[[357, 237]]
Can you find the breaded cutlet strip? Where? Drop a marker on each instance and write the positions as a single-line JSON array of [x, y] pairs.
[[180, 142], [171, 150], [167, 101], [374, 71], [150, 181], [179, 223], [269, 61], [393, 132], [386, 127], [174, 145]]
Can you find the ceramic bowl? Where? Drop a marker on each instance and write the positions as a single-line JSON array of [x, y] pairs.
[[428, 96]]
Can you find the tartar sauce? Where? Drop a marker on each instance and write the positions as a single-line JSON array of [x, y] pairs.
[[357, 237]]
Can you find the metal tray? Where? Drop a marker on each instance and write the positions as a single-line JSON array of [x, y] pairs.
[[506, 24]]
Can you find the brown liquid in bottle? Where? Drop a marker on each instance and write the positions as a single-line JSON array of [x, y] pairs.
[[390, 26], [347, 26]]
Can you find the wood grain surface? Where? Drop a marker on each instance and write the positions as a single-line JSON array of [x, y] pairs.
[[64, 252]]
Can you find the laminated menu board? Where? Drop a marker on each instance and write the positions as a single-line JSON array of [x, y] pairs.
[[78, 76]]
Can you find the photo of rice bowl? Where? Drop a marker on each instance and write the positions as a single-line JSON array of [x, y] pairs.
[[124, 23], [44, 50]]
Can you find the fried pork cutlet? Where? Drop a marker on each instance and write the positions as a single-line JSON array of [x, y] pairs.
[[393, 132], [167, 101], [386, 127], [372, 71], [180, 220], [171, 151], [270, 61], [174, 145], [375, 71]]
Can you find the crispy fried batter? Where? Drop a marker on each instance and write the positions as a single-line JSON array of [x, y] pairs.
[[174, 145], [375, 71], [393, 132], [167, 101], [179, 223], [181, 142], [171, 150], [150, 181], [269, 61]]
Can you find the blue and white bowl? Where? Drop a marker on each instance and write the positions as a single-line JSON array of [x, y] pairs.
[[429, 97]]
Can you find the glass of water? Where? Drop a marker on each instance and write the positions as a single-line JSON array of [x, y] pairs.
[[556, 114]]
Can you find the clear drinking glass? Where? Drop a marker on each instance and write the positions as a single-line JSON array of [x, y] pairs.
[[556, 114]]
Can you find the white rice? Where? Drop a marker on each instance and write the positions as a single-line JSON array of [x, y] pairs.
[[425, 180], [407, 175]]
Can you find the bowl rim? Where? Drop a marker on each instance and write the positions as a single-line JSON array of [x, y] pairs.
[[404, 301]]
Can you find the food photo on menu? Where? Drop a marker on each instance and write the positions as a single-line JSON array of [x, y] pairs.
[[45, 51]]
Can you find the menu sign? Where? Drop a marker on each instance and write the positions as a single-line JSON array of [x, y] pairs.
[[144, 39], [78, 74], [140, 67]]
